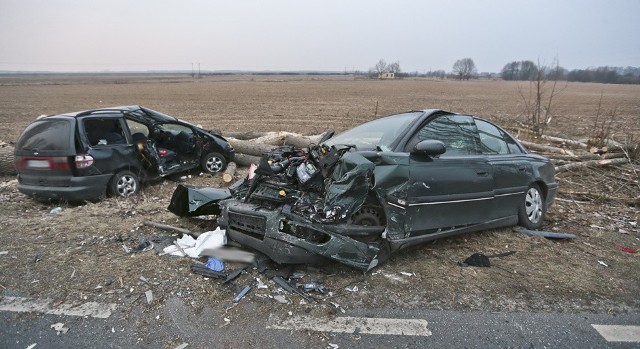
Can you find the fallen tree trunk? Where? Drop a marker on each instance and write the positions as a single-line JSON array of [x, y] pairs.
[[246, 160], [6, 161], [588, 156], [227, 176], [593, 163], [570, 142], [546, 148], [300, 141], [249, 147], [247, 135]]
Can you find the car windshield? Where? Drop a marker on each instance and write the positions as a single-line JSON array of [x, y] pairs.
[[380, 133]]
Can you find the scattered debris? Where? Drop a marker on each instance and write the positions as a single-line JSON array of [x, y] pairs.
[[181, 231], [55, 211], [407, 274], [603, 264], [314, 286], [625, 249], [59, 328], [287, 287], [481, 260], [260, 284], [32, 346], [352, 289], [204, 271], [149, 296], [215, 264], [3, 252], [281, 299], [181, 346], [195, 248], [333, 346], [546, 234], [242, 293]]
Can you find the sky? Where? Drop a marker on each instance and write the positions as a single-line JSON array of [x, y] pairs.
[[327, 35]]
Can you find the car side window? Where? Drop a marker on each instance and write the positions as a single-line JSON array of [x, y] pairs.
[[457, 132], [495, 141], [104, 131], [136, 127]]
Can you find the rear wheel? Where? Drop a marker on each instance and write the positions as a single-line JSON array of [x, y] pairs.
[[531, 211], [124, 184], [213, 162]]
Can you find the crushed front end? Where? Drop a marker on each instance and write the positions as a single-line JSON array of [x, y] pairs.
[[298, 206]]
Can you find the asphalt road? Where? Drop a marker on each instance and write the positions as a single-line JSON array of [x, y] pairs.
[[269, 325]]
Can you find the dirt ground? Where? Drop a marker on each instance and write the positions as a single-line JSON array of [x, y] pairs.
[[78, 255]]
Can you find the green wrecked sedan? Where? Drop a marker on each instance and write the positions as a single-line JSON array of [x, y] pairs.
[[380, 187]]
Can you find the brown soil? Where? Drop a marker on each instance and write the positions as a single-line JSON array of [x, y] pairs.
[[78, 254]]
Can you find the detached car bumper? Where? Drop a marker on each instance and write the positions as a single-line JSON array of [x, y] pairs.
[[80, 189], [291, 241]]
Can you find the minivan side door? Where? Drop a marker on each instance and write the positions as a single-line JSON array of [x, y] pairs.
[[107, 140]]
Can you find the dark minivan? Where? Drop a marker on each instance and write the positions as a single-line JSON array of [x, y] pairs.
[[89, 154]]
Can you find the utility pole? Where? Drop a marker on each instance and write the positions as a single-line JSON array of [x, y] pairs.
[[199, 71], [192, 76]]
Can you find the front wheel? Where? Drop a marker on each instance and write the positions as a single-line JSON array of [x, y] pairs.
[[532, 209], [213, 163], [124, 184]]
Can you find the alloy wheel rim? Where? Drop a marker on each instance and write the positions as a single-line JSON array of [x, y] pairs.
[[533, 205], [126, 186], [214, 164]]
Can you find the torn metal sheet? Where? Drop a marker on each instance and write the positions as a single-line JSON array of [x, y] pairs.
[[546, 234]]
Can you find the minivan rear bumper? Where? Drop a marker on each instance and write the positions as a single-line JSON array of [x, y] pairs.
[[80, 189]]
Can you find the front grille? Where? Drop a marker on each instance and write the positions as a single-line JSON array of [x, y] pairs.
[[254, 226]]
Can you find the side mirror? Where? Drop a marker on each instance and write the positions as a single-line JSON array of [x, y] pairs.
[[429, 147], [327, 135]]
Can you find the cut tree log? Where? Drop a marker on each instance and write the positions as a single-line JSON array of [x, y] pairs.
[[7, 167], [246, 160], [570, 142], [249, 147], [546, 148], [591, 163], [227, 176], [245, 135], [300, 141], [586, 156]]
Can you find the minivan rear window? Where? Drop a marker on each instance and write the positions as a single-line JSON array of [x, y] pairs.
[[46, 135]]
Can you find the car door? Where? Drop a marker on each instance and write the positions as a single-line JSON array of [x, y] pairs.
[[454, 189], [512, 172], [107, 140]]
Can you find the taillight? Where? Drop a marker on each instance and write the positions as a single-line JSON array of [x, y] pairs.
[[83, 161], [42, 163], [60, 163], [163, 152]]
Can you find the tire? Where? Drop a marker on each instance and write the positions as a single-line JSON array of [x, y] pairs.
[[124, 184], [213, 163], [532, 209]]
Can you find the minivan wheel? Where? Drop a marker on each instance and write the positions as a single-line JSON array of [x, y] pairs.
[[124, 184], [213, 163], [532, 209]]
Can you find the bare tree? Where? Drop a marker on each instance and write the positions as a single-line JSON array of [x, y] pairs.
[[394, 68], [538, 99], [380, 67], [464, 68]]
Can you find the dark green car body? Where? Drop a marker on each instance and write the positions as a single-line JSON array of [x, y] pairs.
[[406, 179]]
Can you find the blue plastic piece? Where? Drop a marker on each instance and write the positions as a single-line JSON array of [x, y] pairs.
[[215, 264]]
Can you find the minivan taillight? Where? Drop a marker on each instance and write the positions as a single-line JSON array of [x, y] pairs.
[[83, 161]]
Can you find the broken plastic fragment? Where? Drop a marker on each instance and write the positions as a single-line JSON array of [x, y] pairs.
[[215, 264], [242, 293], [59, 328], [149, 296], [352, 289], [603, 264]]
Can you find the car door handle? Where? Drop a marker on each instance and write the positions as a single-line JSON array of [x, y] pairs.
[[522, 168], [482, 173]]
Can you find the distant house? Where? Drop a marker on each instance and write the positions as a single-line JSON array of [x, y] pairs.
[[386, 75]]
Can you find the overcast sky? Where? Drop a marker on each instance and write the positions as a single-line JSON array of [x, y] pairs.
[[94, 35]]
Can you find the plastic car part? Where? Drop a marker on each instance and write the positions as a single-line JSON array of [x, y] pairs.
[[190, 201]]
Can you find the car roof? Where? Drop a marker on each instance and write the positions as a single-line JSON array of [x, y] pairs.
[[148, 113]]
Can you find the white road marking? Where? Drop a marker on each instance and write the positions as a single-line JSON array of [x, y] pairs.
[[360, 325], [619, 333], [25, 305]]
